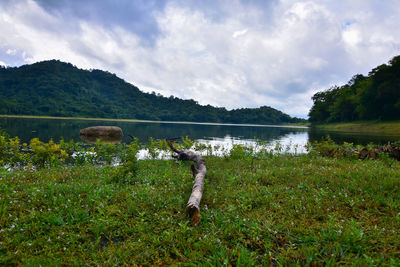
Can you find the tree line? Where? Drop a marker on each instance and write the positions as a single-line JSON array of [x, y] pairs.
[[55, 88], [372, 97]]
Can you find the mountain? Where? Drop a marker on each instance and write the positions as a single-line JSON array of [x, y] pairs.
[[55, 88], [372, 97]]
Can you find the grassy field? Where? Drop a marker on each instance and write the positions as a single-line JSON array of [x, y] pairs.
[[367, 127], [258, 209]]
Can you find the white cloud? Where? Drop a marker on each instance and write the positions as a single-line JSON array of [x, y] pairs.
[[11, 52], [239, 33], [247, 58]]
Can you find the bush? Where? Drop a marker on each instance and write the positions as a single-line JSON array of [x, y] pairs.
[[327, 147], [128, 162], [240, 151], [43, 154]]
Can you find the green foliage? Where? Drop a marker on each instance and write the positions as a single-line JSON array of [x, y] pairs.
[[327, 147], [105, 152], [259, 207], [199, 147], [375, 97], [40, 154], [3, 149], [187, 143], [46, 153], [4, 133], [128, 161], [153, 148], [240, 151], [279, 210], [15, 156], [54, 88]]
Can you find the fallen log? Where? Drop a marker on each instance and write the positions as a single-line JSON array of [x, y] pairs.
[[199, 173]]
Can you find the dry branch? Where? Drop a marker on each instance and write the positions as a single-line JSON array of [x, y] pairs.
[[199, 173], [366, 153]]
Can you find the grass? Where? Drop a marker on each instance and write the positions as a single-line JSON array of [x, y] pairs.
[[257, 209], [367, 127]]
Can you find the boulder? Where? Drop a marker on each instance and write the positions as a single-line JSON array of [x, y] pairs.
[[102, 131]]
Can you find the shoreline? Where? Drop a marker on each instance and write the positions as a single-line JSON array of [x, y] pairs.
[[301, 126], [391, 128]]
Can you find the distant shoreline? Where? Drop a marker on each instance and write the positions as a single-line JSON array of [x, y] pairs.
[[367, 127], [295, 125]]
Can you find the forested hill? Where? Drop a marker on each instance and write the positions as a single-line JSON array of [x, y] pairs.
[[56, 88], [372, 97]]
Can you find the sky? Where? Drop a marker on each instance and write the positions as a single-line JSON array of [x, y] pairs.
[[226, 53]]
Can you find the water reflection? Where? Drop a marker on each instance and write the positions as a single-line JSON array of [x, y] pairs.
[[355, 138], [293, 143], [291, 140], [46, 129], [106, 139], [289, 143]]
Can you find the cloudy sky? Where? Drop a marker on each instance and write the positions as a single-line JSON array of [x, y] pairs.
[[230, 53]]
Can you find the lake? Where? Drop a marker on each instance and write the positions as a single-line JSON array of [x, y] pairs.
[[216, 134]]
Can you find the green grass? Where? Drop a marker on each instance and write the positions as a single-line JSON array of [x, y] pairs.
[[263, 209], [366, 127]]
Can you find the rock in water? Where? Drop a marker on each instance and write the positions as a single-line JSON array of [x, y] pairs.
[[105, 139], [102, 131]]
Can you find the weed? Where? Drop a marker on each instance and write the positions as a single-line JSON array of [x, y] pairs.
[[259, 208]]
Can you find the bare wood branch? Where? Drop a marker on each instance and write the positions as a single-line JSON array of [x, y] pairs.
[[199, 173], [366, 153]]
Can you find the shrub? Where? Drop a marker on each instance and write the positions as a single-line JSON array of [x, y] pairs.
[[43, 154], [105, 152], [327, 147], [128, 162]]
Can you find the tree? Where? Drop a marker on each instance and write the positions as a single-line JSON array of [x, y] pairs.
[[376, 97]]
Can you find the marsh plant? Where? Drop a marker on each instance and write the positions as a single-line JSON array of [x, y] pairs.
[[39, 154]]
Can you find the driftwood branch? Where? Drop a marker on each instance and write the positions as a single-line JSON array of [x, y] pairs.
[[365, 153], [199, 173], [392, 151]]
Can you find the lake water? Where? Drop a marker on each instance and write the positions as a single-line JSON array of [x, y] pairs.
[[291, 138]]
